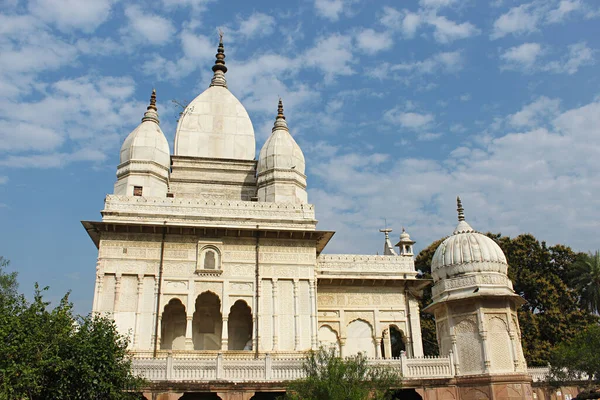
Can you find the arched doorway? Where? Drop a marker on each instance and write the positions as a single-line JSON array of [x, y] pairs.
[[393, 342], [328, 338], [172, 336], [407, 394], [240, 326], [268, 396], [207, 322], [200, 396], [359, 336]]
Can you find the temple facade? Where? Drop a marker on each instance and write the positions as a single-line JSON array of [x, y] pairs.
[[210, 260]]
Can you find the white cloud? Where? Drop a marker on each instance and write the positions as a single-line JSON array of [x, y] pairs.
[[448, 31], [579, 55], [444, 62], [518, 20], [3, 179], [528, 58], [533, 163], [534, 113], [22, 136], [371, 42], [437, 3], [257, 24], [332, 9], [409, 120], [72, 14], [522, 56], [152, 28], [332, 55], [564, 8], [444, 29]]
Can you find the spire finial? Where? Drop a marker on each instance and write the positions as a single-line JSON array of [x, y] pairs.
[[151, 113], [460, 209], [280, 110], [280, 122], [219, 68]]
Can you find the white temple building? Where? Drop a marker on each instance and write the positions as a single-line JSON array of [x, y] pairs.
[[211, 261]]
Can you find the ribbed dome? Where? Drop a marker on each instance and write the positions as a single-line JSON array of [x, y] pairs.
[[467, 251], [281, 151], [215, 124], [147, 142]]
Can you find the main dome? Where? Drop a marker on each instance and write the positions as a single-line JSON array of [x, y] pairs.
[[467, 251], [215, 124]]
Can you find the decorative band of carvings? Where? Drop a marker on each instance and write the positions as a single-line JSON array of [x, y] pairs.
[[494, 279]]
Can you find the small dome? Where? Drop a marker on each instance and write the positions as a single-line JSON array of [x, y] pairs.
[[404, 236], [281, 151], [147, 142], [467, 251], [215, 124]]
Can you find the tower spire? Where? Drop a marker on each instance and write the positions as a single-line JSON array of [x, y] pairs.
[[151, 113], [219, 68], [460, 209], [280, 122]]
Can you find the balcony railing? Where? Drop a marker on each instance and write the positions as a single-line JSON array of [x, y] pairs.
[[239, 368]]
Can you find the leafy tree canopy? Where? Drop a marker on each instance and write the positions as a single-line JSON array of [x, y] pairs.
[[329, 377], [577, 358], [540, 274], [49, 353]]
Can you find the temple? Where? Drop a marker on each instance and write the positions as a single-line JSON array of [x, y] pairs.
[[210, 260]]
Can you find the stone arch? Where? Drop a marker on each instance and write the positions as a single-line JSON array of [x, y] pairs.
[[407, 394], [173, 325], [200, 396], [475, 394], [359, 338], [446, 394], [210, 258], [393, 342], [267, 395], [207, 322], [239, 330], [328, 338]]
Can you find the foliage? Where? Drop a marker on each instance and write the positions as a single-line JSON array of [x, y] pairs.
[[584, 277], [578, 357], [540, 275], [8, 281], [329, 377], [49, 353]]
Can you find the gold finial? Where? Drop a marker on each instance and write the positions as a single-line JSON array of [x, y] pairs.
[[460, 209], [152, 105]]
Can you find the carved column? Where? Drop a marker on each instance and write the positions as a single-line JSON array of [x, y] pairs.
[[313, 315], [117, 292], [189, 332], [138, 312], [154, 339], [159, 337], [225, 316], [255, 330], [98, 297], [297, 331], [275, 315], [483, 336], [387, 343]]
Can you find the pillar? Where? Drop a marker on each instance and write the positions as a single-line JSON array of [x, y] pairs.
[[189, 332], [154, 338], [225, 316], [297, 331], [275, 314], [97, 298], [483, 337], [313, 315], [117, 293], [387, 343], [138, 312]]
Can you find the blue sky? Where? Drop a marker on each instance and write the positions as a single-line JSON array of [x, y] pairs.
[[399, 106]]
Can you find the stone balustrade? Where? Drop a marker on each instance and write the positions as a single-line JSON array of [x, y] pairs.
[[203, 211], [539, 374], [364, 265], [276, 368]]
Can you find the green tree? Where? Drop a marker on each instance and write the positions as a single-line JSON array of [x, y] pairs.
[[49, 353], [329, 377], [539, 274], [577, 358], [584, 277], [8, 281]]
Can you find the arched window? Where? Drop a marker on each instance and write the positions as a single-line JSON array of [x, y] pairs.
[[209, 260]]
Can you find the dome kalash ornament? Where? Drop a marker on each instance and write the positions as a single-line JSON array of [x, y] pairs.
[[469, 264]]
